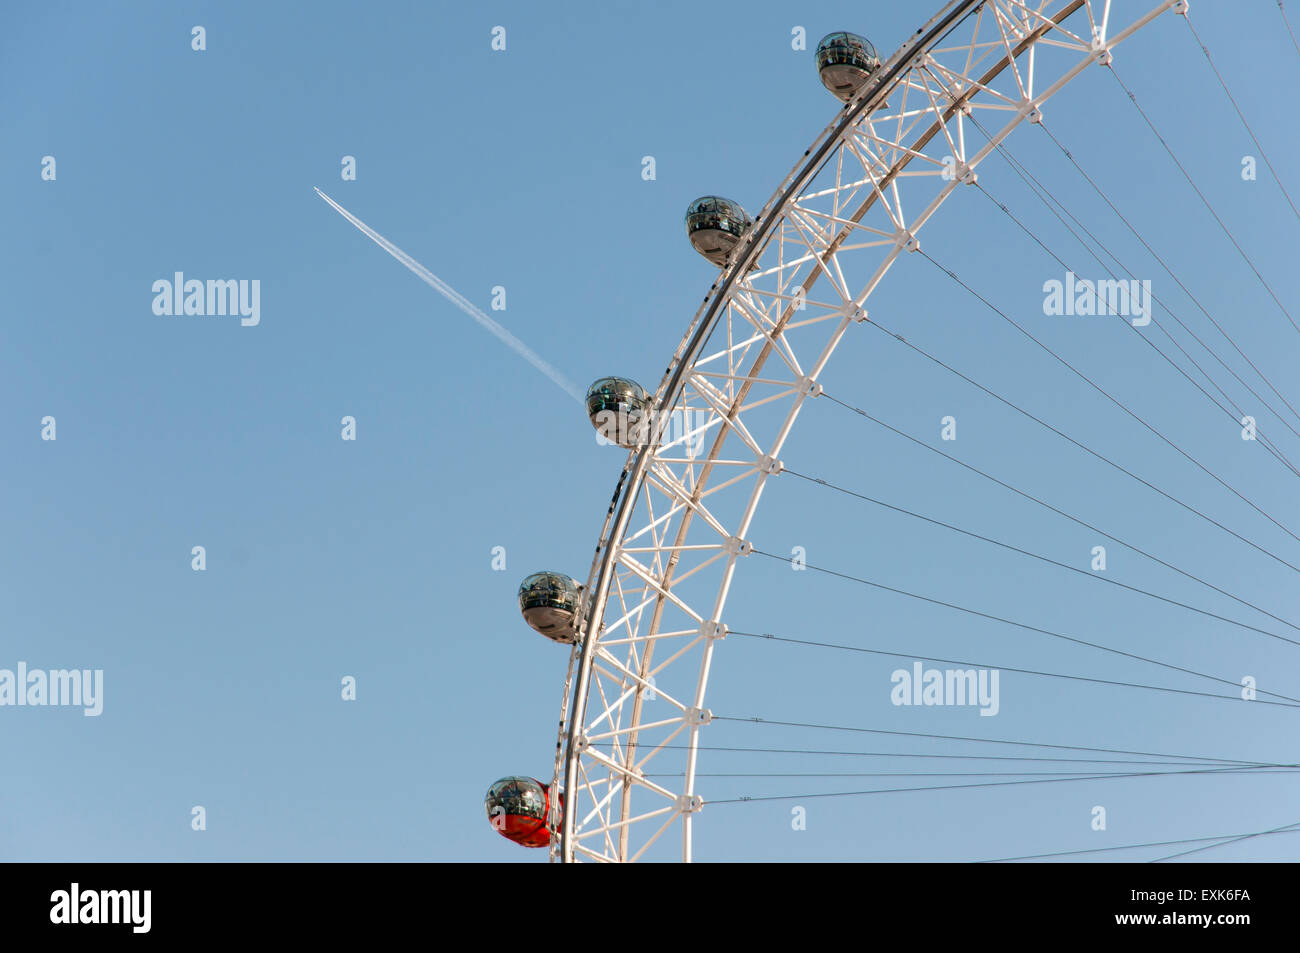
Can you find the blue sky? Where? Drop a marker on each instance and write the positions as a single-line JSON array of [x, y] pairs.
[[372, 558]]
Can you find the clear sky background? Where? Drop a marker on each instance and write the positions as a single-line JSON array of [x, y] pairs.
[[372, 558]]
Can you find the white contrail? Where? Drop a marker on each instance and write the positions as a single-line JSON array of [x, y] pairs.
[[452, 295]]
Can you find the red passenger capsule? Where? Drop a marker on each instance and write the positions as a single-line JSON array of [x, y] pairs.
[[517, 809]]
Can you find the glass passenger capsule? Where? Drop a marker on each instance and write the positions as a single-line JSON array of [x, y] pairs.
[[517, 808], [549, 603], [617, 408], [845, 61], [715, 226]]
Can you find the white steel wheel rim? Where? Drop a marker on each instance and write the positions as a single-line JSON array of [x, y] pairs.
[[882, 158]]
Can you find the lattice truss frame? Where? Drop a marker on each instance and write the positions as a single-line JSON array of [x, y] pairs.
[[631, 762]]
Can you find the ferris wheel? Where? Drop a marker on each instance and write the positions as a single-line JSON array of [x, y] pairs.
[[795, 279]]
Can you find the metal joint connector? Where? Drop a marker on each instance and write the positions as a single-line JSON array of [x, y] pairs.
[[689, 803], [697, 717], [735, 546], [713, 630]]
